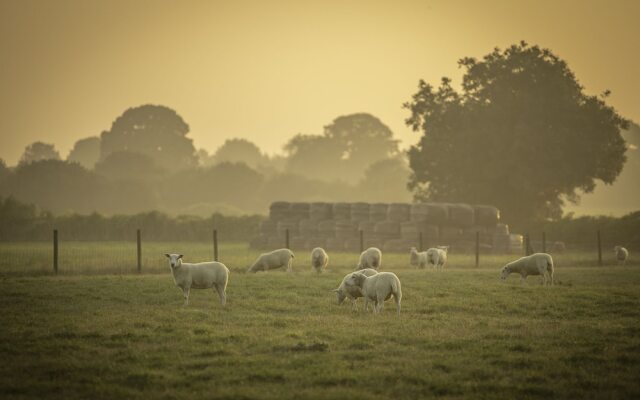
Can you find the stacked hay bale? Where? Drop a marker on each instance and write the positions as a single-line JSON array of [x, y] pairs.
[[391, 227]]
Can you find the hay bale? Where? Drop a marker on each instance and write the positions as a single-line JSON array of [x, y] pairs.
[[359, 212], [346, 229], [437, 213], [299, 211], [334, 244], [298, 243], [450, 234], [308, 227], [282, 227], [387, 229], [486, 215], [378, 211], [419, 212], [398, 212], [268, 227], [320, 211], [461, 215], [341, 211], [327, 228], [279, 210], [398, 245], [409, 230], [367, 227], [352, 245]]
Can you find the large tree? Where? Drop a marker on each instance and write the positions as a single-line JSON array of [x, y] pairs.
[[155, 131], [85, 152], [346, 148], [238, 150], [521, 135], [38, 151]]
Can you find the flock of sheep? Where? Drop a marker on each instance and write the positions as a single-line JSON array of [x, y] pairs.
[[366, 281]]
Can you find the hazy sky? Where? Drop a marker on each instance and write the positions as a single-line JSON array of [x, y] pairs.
[[266, 70]]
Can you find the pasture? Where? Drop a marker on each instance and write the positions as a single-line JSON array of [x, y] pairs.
[[96, 332]]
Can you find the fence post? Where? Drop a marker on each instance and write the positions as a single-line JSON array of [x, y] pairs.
[[361, 240], [139, 243], [215, 245], [55, 251], [526, 244], [544, 242], [286, 238], [477, 249], [599, 248]]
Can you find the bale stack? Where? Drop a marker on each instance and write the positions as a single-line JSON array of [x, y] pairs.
[[391, 227]]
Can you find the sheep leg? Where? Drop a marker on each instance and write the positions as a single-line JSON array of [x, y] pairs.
[[379, 304], [551, 278], [221, 294], [289, 269], [185, 294], [366, 304], [397, 300], [354, 306]]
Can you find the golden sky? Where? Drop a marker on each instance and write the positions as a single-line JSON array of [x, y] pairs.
[[266, 70]]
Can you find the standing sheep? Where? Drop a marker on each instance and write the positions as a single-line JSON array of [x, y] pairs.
[[377, 288], [621, 254], [275, 259], [319, 259], [370, 258], [535, 264], [418, 259], [345, 291], [437, 256], [203, 275]]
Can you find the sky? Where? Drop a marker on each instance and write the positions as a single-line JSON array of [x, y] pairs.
[[267, 70]]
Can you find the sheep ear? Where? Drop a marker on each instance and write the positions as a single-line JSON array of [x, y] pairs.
[[167, 255], [180, 256]]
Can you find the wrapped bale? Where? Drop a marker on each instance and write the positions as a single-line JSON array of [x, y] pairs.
[[292, 226], [409, 230], [461, 215], [352, 245], [320, 211], [298, 243], [359, 212], [437, 213], [299, 211], [341, 211], [346, 229], [419, 212], [450, 234], [279, 210], [334, 244], [486, 215], [387, 230], [308, 228], [398, 245], [268, 227], [368, 228], [378, 212], [469, 234], [499, 229], [327, 229], [398, 212]]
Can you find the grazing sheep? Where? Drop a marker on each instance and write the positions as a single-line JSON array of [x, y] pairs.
[[621, 254], [345, 291], [535, 264], [275, 259], [418, 259], [437, 256], [319, 259], [377, 288], [203, 275], [370, 258]]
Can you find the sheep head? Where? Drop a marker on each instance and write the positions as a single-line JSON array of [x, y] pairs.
[[175, 260]]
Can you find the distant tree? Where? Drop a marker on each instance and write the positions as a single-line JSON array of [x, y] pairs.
[[239, 150], [155, 131], [126, 165], [386, 181], [4, 170], [38, 151], [86, 152], [521, 135], [349, 144]]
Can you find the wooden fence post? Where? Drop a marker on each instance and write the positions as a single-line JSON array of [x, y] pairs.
[[215, 245], [477, 249], [286, 238], [139, 244], [55, 251], [599, 248], [361, 240]]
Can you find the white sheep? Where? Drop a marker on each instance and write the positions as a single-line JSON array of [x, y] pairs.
[[377, 288], [203, 275], [345, 291], [370, 258], [418, 259], [535, 264], [437, 256], [621, 254], [275, 259], [319, 259]]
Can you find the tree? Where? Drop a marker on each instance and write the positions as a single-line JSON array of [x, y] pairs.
[[85, 152], [156, 131], [386, 181], [521, 135], [239, 150], [38, 151], [346, 148], [4, 170], [126, 165]]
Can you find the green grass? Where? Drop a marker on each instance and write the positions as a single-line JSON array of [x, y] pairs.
[[462, 333]]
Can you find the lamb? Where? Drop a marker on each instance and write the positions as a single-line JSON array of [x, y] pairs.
[[535, 264], [319, 259], [621, 254], [377, 288], [418, 259], [370, 258], [437, 256], [275, 259], [345, 291], [203, 275]]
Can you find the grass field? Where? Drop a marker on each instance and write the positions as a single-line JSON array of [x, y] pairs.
[[462, 333]]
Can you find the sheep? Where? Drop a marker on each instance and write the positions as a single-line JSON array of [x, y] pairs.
[[418, 259], [437, 256], [377, 288], [345, 291], [370, 258], [319, 259], [621, 254], [203, 275], [275, 259], [535, 264]]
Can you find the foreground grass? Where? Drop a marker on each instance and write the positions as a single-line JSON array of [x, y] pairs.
[[462, 334]]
